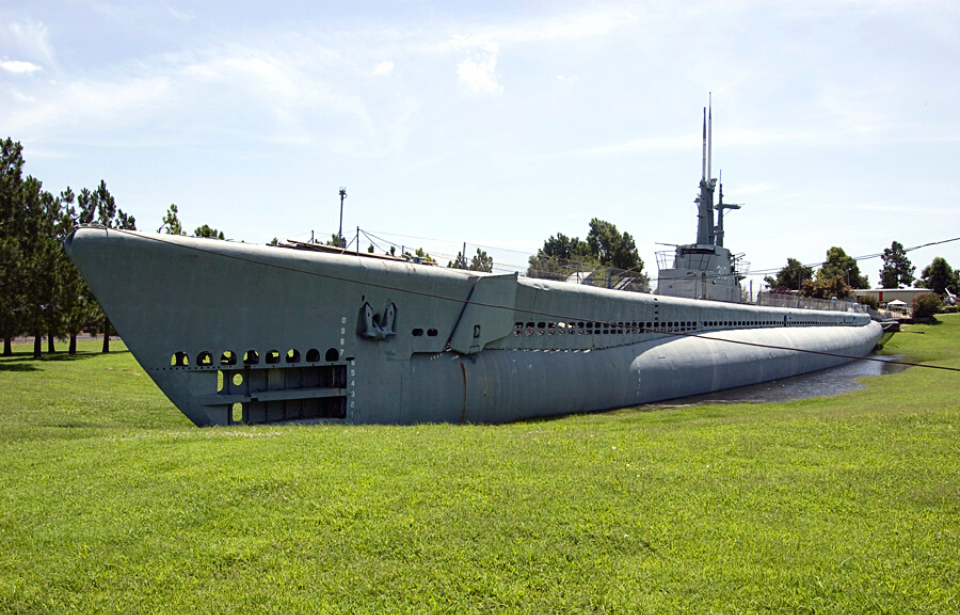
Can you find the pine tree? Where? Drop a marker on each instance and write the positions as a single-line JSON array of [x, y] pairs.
[[11, 255], [897, 269], [207, 231], [78, 307], [99, 206], [481, 262], [40, 249], [171, 222]]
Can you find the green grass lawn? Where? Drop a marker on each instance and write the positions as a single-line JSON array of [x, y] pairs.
[[110, 500]]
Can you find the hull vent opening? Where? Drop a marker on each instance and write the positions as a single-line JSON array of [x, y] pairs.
[[256, 396]]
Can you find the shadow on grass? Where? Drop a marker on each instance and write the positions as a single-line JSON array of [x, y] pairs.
[[79, 425], [24, 361]]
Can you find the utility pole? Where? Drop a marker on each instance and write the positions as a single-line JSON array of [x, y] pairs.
[[799, 283], [340, 239]]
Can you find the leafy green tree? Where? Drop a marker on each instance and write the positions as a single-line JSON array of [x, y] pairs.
[[171, 222], [824, 287], [207, 231], [605, 246], [839, 264], [926, 305], [790, 277], [939, 276], [612, 248], [559, 257], [897, 269], [562, 247]]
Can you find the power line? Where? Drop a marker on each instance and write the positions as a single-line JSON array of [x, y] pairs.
[[857, 258]]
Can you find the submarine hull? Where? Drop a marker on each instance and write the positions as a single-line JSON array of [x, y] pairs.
[[236, 333]]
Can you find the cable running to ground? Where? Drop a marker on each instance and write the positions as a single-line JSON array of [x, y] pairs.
[[566, 317]]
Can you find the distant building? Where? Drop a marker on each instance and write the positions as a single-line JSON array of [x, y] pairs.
[[885, 295]]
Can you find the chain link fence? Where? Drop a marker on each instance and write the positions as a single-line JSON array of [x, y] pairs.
[[794, 301]]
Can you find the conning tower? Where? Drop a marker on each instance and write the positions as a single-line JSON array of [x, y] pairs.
[[705, 269]]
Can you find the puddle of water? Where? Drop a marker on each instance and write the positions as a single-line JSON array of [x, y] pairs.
[[823, 383]]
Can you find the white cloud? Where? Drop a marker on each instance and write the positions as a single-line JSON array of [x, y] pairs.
[[572, 26], [479, 71], [31, 38], [383, 68], [182, 16], [18, 67], [568, 27], [260, 71]]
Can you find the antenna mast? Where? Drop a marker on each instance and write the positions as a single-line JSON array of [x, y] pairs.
[[341, 242], [705, 229], [710, 136], [703, 171]]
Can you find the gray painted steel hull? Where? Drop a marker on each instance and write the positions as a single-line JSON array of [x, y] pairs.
[[238, 333]]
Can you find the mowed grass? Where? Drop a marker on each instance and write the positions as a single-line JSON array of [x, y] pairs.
[[110, 500]]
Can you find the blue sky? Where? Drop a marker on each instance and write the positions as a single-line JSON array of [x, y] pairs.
[[500, 123]]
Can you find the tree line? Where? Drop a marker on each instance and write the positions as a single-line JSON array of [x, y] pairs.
[[840, 274], [42, 294], [604, 247]]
